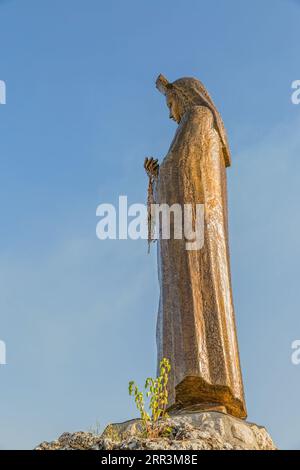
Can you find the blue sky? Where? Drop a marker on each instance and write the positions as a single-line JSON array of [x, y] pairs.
[[78, 314]]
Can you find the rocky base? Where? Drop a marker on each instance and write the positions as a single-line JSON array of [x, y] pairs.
[[181, 431]]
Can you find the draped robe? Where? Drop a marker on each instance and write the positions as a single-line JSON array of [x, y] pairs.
[[196, 324]]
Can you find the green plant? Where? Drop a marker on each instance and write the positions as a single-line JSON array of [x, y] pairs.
[[157, 392]]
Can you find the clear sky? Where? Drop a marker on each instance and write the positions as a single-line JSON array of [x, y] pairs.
[[78, 314]]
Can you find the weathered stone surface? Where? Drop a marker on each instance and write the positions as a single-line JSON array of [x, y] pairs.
[[187, 431]]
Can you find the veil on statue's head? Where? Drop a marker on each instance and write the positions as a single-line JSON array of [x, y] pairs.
[[193, 92]]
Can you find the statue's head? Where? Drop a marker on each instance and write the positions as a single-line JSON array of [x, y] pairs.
[[185, 93], [182, 95]]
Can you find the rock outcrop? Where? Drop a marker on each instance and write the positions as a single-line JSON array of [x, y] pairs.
[[181, 431]]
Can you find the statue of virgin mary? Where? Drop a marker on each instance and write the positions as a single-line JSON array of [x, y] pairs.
[[196, 323]]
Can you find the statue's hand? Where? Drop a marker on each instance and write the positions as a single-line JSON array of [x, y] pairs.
[[151, 166]]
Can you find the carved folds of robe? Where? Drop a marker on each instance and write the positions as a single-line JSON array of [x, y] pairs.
[[196, 325]]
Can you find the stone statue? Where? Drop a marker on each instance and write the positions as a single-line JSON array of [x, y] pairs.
[[196, 325]]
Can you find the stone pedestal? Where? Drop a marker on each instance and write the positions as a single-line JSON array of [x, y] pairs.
[[207, 430]]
